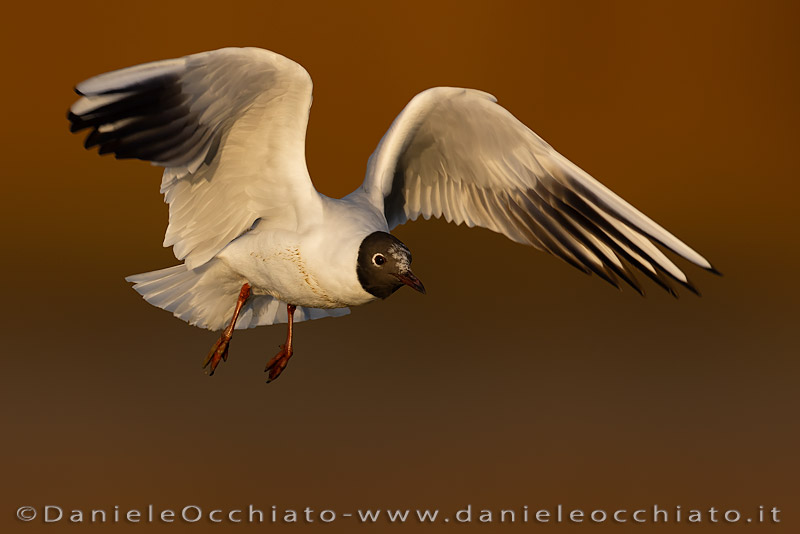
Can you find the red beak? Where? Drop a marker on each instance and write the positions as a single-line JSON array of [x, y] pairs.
[[411, 281]]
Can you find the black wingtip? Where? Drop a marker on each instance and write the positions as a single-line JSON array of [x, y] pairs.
[[691, 287], [639, 290], [75, 122], [106, 148], [714, 270], [666, 286], [628, 277], [607, 276], [92, 140]]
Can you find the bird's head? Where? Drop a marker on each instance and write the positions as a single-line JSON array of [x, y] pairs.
[[384, 265]]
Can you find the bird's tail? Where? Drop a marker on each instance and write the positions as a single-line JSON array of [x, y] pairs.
[[205, 297]]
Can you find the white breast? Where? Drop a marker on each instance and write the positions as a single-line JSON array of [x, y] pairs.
[[313, 267]]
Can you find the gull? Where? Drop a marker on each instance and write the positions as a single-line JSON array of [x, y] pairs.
[[259, 245]]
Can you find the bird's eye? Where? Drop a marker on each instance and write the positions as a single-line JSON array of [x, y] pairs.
[[378, 259]]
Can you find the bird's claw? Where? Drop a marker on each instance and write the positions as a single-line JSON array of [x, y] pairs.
[[278, 363], [219, 352]]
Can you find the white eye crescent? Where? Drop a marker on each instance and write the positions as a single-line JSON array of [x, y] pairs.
[[379, 259]]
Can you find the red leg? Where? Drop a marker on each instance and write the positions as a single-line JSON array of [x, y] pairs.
[[220, 349], [279, 362]]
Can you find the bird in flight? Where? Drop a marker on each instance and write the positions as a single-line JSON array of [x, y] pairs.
[[259, 245]]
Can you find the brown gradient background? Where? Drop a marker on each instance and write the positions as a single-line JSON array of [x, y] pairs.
[[516, 380]]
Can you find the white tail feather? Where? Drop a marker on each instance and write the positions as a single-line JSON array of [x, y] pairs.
[[205, 297]]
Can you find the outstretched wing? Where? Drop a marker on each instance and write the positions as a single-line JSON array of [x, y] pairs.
[[228, 125], [455, 153]]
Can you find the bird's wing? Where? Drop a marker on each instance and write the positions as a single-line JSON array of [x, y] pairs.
[[228, 126], [455, 153]]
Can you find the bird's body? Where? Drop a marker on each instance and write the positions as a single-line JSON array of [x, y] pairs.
[[229, 128], [310, 267]]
